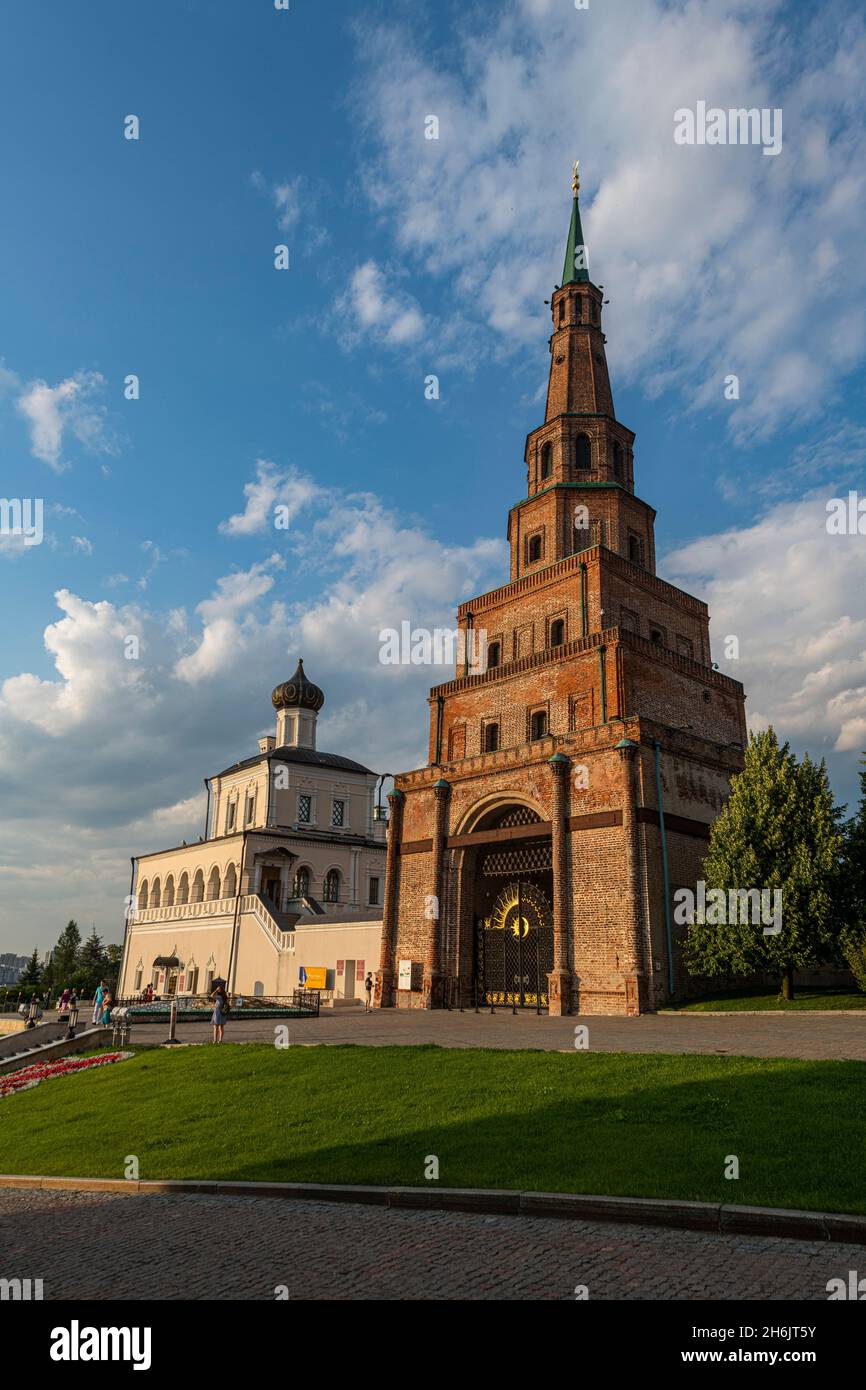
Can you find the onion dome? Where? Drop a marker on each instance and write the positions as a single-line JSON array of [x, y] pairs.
[[298, 693]]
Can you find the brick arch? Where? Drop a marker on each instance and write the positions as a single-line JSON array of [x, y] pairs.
[[487, 807]]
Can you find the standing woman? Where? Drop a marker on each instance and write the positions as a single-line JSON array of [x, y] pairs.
[[97, 1001], [220, 1010]]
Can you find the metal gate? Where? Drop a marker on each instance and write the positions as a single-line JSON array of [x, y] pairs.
[[514, 947]]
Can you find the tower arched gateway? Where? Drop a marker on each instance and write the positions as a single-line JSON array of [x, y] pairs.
[[505, 951], [571, 782]]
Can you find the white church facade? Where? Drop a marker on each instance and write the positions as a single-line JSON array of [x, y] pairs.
[[287, 880]]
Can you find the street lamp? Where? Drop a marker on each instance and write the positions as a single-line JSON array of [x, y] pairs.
[[379, 812], [73, 1018]]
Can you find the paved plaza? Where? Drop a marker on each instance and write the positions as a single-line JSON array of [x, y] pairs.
[[106, 1245], [806, 1035]]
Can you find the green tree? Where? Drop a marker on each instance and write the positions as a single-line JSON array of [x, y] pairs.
[[66, 955], [113, 956], [31, 975], [854, 868], [780, 830], [92, 963]]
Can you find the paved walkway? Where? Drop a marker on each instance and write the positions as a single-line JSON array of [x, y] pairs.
[[96, 1246], [779, 1035]]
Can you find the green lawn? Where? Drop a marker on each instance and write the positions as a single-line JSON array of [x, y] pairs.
[[656, 1126], [769, 999]]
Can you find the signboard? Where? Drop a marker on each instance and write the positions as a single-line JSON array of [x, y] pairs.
[[313, 977], [404, 974]]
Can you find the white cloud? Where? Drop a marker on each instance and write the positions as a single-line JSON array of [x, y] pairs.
[[52, 411], [120, 746], [379, 311], [270, 489], [82, 544], [796, 599], [716, 259], [295, 203]]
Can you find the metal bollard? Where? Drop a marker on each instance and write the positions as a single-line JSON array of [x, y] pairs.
[[172, 1024]]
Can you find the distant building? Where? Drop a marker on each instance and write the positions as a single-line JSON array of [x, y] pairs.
[[289, 877], [11, 967]]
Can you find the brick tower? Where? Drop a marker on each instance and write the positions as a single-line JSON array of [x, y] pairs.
[[571, 784]]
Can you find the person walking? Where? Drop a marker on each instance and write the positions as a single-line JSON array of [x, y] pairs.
[[63, 1001], [368, 985], [97, 1001], [108, 1002], [220, 1010]]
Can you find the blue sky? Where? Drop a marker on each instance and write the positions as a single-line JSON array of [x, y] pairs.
[[407, 257]]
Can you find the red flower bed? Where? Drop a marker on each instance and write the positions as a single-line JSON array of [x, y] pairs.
[[30, 1076]]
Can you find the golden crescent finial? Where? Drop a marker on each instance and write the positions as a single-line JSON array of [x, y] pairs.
[[575, 183]]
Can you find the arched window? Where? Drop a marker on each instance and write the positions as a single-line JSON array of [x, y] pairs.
[[331, 888], [142, 896], [557, 632], [301, 885], [535, 550], [230, 887], [546, 459], [168, 892], [582, 453], [538, 725], [183, 888], [155, 899], [494, 655], [198, 887], [617, 460], [561, 310], [578, 308], [491, 738], [213, 883]]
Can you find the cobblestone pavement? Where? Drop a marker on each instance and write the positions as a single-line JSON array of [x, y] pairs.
[[781, 1035], [95, 1246]]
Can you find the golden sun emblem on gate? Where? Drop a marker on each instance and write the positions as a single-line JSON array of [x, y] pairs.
[[518, 912]]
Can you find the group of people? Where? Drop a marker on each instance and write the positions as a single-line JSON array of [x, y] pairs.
[[103, 1002]]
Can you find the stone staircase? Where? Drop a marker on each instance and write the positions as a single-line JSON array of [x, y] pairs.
[[46, 1042]]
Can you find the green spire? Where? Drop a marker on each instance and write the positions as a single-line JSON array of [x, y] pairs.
[[574, 271]]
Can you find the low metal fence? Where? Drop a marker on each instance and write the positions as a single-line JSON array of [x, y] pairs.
[[197, 1008]]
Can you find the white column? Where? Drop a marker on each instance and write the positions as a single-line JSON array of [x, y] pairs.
[[354, 876]]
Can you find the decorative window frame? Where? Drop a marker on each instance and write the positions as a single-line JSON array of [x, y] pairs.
[[582, 699], [540, 707], [635, 536], [560, 617], [333, 869], [494, 721], [457, 739], [536, 535]]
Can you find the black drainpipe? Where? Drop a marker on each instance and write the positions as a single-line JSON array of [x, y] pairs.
[[470, 636], [122, 971], [232, 954], [665, 870]]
